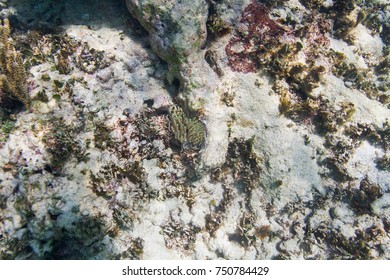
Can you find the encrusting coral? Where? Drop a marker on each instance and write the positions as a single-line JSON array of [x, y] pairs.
[[13, 78]]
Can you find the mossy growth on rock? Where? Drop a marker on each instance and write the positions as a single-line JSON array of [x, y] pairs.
[[60, 142], [178, 235], [363, 79], [245, 167], [361, 246], [244, 162], [7, 124], [134, 250], [246, 231], [312, 4], [190, 133], [216, 25], [383, 163], [110, 177], [102, 136], [89, 60], [361, 199]]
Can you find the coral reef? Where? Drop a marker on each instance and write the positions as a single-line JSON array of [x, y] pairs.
[[234, 129]]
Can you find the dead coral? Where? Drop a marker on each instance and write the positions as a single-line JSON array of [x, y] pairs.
[[341, 146], [134, 251], [57, 49], [245, 232], [379, 136], [296, 107], [124, 187], [102, 136], [365, 80], [63, 51], [13, 78], [355, 248], [215, 219], [62, 48], [134, 138], [330, 119], [212, 59], [180, 189], [375, 16], [217, 26], [153, 125], [63, 66], [312, 4], [245, 163], [383, 163], [178, 235], [110, 177], [345, 17], [313, 35], [362, 198], [89, 60], [60, 142]]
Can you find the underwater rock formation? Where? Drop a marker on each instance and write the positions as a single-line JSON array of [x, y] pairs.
[[177, 32]]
